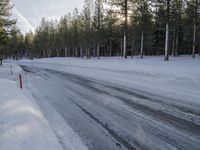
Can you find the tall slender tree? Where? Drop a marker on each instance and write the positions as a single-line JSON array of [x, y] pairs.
[[167, 32], [195, 27], [87, 15], [6, 24], [125, 27], [98, 13]]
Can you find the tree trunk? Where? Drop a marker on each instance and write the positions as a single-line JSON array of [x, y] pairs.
[[198, 48], [195, 28], [49, 53], [121, 48], [89, 53], [110, 47], [142, 45], [66, 52], [126, 29], [86, 53], [148, 48], [167, 43], [177, 44], [94, 53], [125, 44], [76, 52], [194, 42], [174, 40], [132, 51], [98, 38], [82, 51], [167, 33], [1, 61], [44, 54], [98, 50], [57, 52]]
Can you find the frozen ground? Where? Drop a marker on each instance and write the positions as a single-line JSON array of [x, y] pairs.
[[119, 104]]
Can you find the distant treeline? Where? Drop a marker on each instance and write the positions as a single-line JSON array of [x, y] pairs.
[[114, 28]]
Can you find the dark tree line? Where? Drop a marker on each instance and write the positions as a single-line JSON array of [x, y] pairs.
[[114, 28]]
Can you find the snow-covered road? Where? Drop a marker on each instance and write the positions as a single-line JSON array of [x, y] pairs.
[[110, 116]]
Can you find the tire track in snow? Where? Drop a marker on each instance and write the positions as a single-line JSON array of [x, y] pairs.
[[136, 106], [179, 123], [91, 85], [112, 132]]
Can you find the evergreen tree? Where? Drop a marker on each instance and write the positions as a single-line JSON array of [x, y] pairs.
[[98, 19], [142, 20], [87, 18], [6, 23]]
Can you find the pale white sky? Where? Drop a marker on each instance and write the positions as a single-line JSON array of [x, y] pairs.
[[30, 12]]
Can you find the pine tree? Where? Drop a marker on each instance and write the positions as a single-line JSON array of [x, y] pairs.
[[123, 8], [63, 28], [112, 30], [87, 15], [142, 17], [176, 15], [165, 6], [196, 7], [98, 18], [6, 23]]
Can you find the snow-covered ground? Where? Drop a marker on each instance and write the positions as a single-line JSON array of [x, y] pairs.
[[113, 103], [177, 79], [22, 125]]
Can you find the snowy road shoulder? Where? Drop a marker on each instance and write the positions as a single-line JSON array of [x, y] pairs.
[[22, 125]]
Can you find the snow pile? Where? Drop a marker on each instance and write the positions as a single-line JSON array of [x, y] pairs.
[[22, 125]]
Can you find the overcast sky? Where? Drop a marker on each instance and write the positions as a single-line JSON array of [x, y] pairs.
[[30, 12]]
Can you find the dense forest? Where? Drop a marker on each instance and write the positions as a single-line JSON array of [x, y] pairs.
[[108, 28]]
